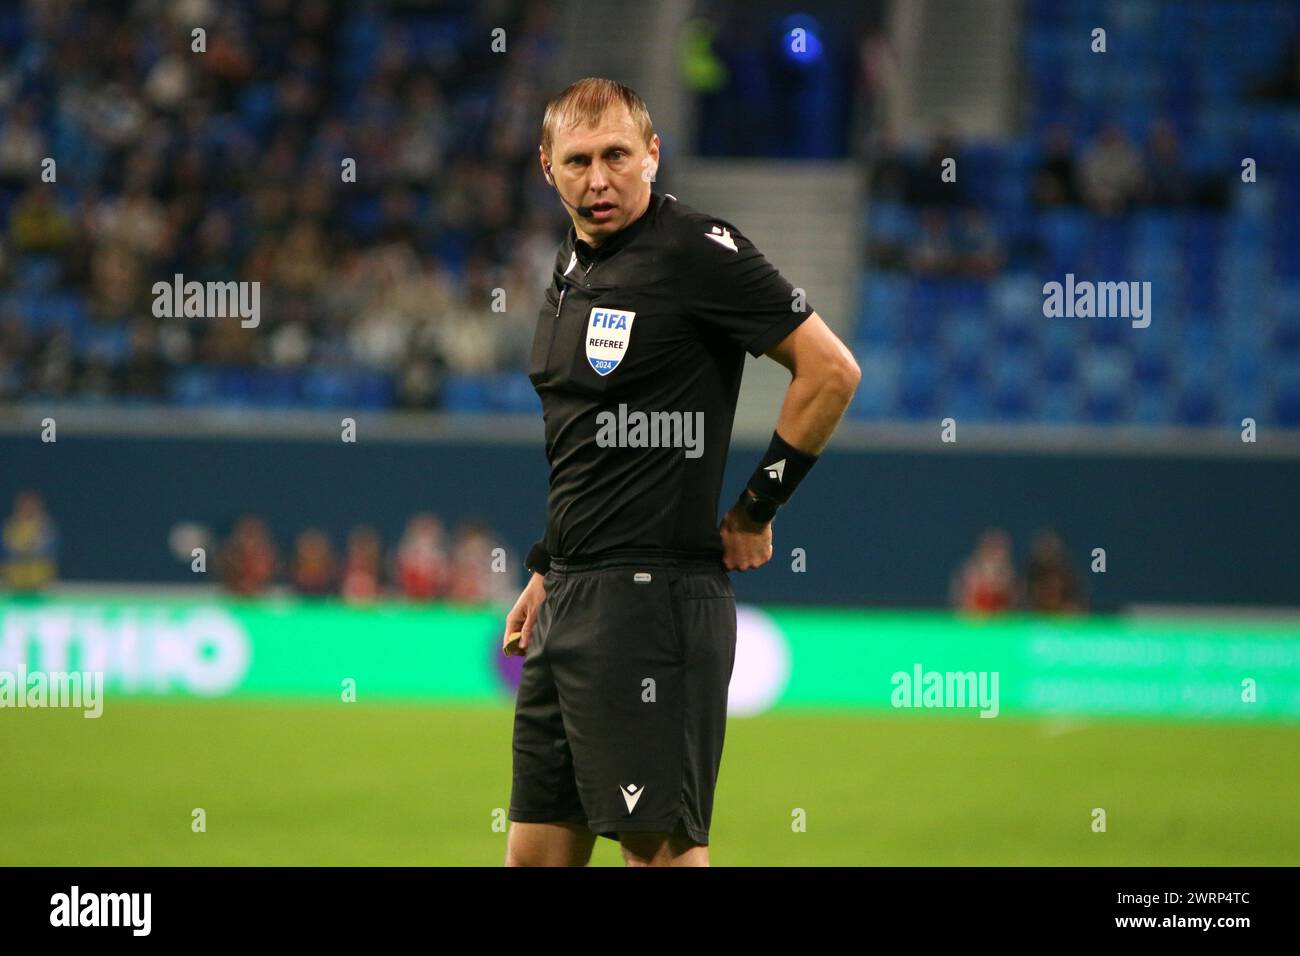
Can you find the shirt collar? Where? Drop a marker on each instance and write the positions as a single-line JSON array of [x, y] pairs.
[[618, 240]]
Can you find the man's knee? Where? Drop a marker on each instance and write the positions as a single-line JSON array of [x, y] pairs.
[[548, 844], [644, 849], [663, 849]]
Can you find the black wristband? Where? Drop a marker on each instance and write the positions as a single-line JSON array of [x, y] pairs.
[[782, 468], [760, 509], [538, 560]]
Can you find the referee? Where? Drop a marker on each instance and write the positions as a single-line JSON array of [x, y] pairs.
[[629, 619]]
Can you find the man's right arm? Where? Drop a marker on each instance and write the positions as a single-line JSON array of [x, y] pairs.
[[523, 616]]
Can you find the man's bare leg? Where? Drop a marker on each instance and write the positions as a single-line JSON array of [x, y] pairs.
[[663, 849], [549, 844]]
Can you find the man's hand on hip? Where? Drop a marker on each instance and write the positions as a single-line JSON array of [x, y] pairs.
[[745, 544]]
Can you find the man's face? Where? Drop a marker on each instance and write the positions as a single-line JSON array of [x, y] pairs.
[[607, 167]]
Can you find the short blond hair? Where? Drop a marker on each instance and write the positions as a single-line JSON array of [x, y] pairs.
[[584, 103]]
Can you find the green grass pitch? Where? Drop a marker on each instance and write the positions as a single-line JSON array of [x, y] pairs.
[[343, 784]]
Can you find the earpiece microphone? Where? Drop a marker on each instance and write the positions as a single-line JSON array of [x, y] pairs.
[[583, 211]]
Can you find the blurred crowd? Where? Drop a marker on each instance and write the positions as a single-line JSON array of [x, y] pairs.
[[987, 582], [1110, 176], [226, 165], [424, 565], [29, 546]]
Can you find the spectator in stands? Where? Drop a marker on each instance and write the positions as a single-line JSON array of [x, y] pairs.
[[1051, 584], [475, 574], [248, 562], [314, 572], [53, 365], [934, 252], [956, 243], [37, 224], [10, 372], [889, 169], [469, 344], [925, 185], [1055, 178], [362, 570], [29, 545], [423, 569], [876, 74], [1112, 173], [227, 167], [143, 374], [986, 581], [1171, 183], [17, 351], [1284, 84], [978, 252], [22, 146]]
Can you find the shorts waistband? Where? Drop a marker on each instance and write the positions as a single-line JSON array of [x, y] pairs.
[[619, 558]]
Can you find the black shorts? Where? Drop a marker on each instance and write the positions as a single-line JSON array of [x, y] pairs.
[[622, 708]]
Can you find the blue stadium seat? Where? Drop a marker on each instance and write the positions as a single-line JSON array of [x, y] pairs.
[[878, 390], [1198, 404], [884, 292], [37, 273], [1012, 377], [194, 386], [108, 342], [1151, 366], [257, 107], [966, 403], [1104, 408], [274, 388], [1286, 398], [965, 363], [1063, 234], [1058, 405], [373, 390], [918, 388], [235, 385], [891, 222], [1286, 335], [326, 388], [922, 327], [1151, 406], [465, 393], [1015, 294], [513, 392]]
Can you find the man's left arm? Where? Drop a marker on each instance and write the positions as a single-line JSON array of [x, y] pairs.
[[734, 291], [824, 376]]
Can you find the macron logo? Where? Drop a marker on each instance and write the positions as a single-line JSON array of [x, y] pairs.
[[628, 797], [573, 260], [776, 470], [722, 237]]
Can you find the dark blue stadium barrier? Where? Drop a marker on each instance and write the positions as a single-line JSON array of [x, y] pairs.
[[882, 527]]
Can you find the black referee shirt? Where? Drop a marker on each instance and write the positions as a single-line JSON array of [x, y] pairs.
[[657, 318]]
